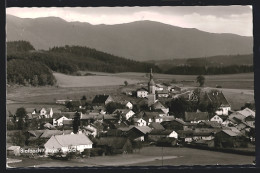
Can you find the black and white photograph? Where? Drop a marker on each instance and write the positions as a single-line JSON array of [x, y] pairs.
[[129, 86]]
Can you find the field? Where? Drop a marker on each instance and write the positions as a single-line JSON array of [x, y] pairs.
[[90, 81], [149, 156], [237, 88]]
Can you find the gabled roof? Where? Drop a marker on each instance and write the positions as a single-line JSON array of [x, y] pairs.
[[50, 133], [58, 141], [196, 116], [100, 99], [142, 89], [156, 126], [230, 133], [247, 112], [217, 97], [160, 132], [67, 122], [159, 105], [143, 129], [163, 92]]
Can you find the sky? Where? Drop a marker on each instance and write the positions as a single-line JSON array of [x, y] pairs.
[[215, 19]]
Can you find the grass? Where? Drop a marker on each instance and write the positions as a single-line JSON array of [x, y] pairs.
[[90, 81], [150, 156], [241, 88]]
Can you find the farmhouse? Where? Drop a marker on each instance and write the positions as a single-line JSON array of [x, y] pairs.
[[162, 93], [115, 145], [127, 104], [138, 133], [102, 99], [177, 124], [126, 113], [157, 134], [159, 106], [196, 117], [67, 143], [219, 98], [142, 93], [59, 121], [139, 122]]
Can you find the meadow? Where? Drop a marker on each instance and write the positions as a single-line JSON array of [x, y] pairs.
[[237, 88], [149, 156]]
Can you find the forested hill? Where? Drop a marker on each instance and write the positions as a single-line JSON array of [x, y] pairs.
[[67, 59], [140, 40]]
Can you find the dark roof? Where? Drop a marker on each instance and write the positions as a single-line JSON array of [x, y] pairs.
[[196, 116], [160, 132], [67, 122], [156, 126], [142, 89], [100, 99], [212, 124], [217, 97]]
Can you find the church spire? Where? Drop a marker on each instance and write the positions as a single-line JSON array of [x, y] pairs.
[[151, 74]]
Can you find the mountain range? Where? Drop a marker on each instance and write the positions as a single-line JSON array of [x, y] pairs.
[[140, 40]]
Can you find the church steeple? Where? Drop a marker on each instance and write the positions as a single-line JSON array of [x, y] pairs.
[[151, 84], [151, 74]]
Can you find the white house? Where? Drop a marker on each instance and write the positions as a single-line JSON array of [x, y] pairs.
[[67, 143], [59, 121], [173, 134], [127, 113], [159, 87], [46, 113], [140, 122], [129, 105], [217, 118], [142, 93]]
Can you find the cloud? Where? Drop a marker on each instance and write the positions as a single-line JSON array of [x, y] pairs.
[[217, 19]]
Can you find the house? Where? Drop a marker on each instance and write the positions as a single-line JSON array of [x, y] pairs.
[[247, 112], [67, 143], [205, 143], [218, 98], [159, 106], [236, 117], [99, 109], [102, 99], [59, 121], [14, 151], [138, 133], [196, 117], [163, 93], [186, 136], [204, 134], [47, 113], [115, 145], [156, 126], [63, 101], [208, 124], [67, 124], [228, 138], [127, 104], [155, 135], [142, 93], [228, 123], [159, 87], [177, 124], [139, 122], [126, 113], [217, 119]]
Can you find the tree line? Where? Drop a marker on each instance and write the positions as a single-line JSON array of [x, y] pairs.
[[202, 70]]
